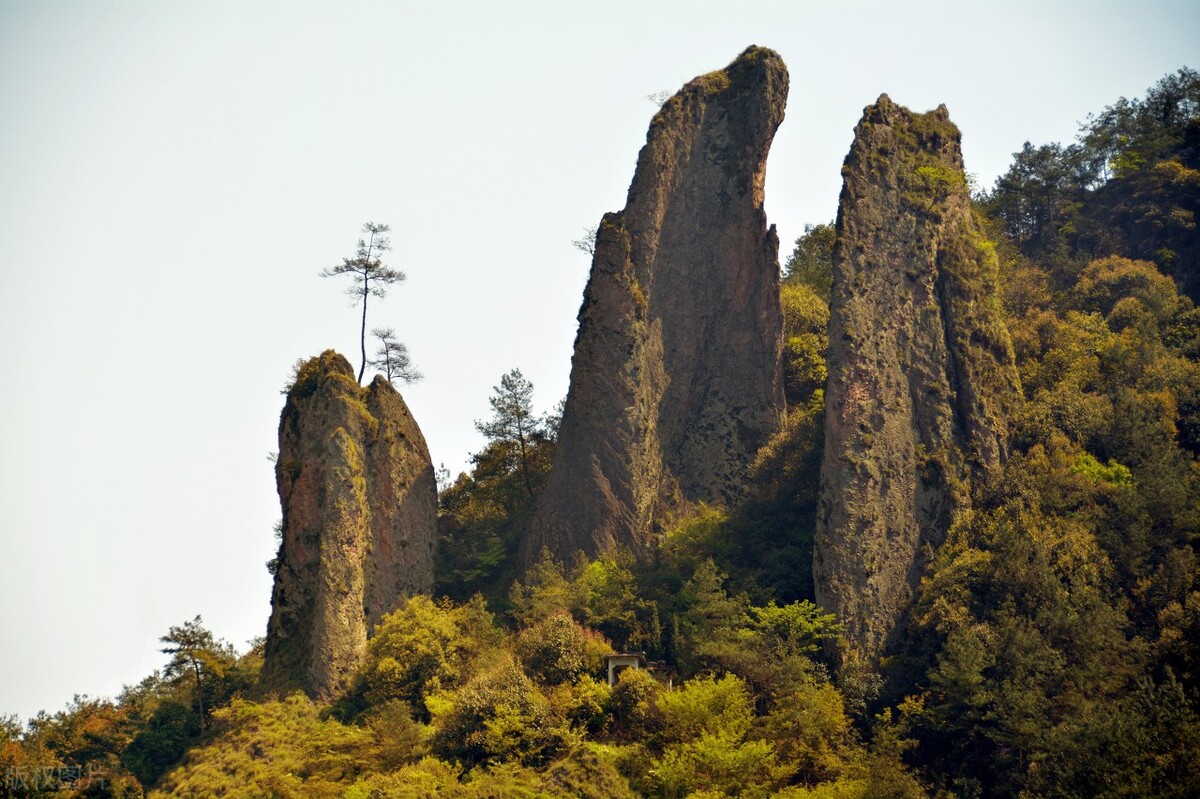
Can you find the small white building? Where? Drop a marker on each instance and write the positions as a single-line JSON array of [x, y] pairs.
[[619, 661]]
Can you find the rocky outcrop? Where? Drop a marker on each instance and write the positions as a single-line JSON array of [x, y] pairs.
[[921, 370], [359, 521], [675, 381]]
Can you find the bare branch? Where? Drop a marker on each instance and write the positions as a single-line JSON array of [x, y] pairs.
[[588, 242], [392, 357]]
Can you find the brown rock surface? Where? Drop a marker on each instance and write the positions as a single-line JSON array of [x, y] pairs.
[[921, 370], [359, 521], [676, 380]]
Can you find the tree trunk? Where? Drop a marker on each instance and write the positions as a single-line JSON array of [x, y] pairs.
[[524, 459], [363, 331], [199, 694]]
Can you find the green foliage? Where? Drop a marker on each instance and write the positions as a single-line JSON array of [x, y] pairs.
[[811, 261], [1107, 281], [558, 649], [1027, 641], [498, 715], [765, 720], [607, 598], [939, 180], [1129, 186], [809, 730], [1145, 744], [1122, 389], [278, 748], [601, 594], [482, 515], [514, 427], [716, 766], [805, 338], [196, 654], [544, 592], [160, 742], [771, 647], [706, 705], [423, 647], [705, 745], [1112, 475], [634, 705], [583, 702]]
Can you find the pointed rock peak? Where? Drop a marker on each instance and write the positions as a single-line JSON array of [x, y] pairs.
[[381, 384], [315, 372], [359, 502], [756, 67], [921, 371], [756, 81], [676, 378]]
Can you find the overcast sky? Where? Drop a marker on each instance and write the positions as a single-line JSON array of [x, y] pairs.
[[174, 176]]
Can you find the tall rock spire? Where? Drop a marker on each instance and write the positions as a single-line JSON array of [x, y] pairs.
[[921, 370], [675, 381], [359, 523]]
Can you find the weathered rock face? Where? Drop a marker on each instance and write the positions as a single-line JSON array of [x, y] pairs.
[[359, 522], [921, 371], [675, 381]]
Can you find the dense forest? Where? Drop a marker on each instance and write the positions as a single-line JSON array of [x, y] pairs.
[[1053, 649]]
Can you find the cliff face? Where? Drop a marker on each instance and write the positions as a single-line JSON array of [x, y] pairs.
[[921, 371], [675, 381], [359, 522]]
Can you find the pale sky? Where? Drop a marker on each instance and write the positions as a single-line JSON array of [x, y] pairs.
[[174, 176]]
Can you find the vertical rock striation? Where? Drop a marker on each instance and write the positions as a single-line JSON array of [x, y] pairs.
[[675, 380], [921, 370], [359, 522]]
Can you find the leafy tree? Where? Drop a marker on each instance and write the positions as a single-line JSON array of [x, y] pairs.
[[811, 733], [499, 715], [393, 358], [1145, 744], [770, 647], [482, 514], [160, 741], [606, 597], [543, 592], [811, 262], [1040, 196], [634, 705], [1026, 642], [277, 748], [369, 274], [705, 727], [1131, 134], [195, 652], [559, 649], [514, 426], [424, 647], [602, 595], [1129, 185], [805, 340]]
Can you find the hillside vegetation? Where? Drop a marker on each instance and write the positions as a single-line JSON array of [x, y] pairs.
[[1053, 649]]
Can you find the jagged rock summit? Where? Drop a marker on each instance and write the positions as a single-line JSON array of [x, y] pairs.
[[359, 523], [921, 370], [675, 380]]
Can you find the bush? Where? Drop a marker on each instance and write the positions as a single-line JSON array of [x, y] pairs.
[[498, 716], [558, 649]]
